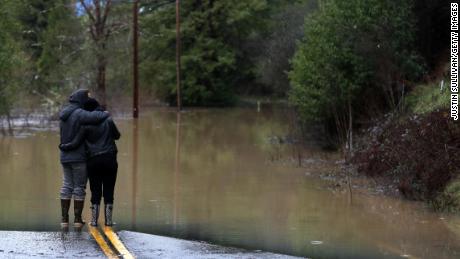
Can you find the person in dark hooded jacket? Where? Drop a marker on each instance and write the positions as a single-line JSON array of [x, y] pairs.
[[72, 117], [102, 161]]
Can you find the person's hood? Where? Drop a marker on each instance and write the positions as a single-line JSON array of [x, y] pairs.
[[76, 100], [79, 97]]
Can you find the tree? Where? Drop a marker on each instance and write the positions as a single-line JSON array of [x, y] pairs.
[[61, 43], [50, 34], [278, 47], [32, 17], [11, 57], [213, 63], [98, 12], [355, 60]]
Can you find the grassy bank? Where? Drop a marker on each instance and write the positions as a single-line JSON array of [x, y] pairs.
[[417, 149]]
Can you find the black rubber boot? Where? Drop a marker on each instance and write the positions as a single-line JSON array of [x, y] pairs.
[[78, 210], [65, 205], [94, 214], [108, 214]]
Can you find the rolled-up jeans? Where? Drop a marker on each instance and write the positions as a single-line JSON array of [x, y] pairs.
[[74, 181]]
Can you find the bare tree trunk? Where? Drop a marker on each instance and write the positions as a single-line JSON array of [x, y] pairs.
[[98, 12], [10, 125], [350, 128], [350, 145], [2, 128], [338, 126], [178, 56], [100, 90]]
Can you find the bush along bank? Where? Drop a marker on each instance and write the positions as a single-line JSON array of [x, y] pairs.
[[360, 59], [419, 152]]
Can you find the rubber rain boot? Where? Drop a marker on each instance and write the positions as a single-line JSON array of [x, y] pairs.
[[108, 214], [78, 210], [65, 205], [94, 214]]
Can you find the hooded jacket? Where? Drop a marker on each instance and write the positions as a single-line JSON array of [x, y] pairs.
[[99, 139], [72, 117]]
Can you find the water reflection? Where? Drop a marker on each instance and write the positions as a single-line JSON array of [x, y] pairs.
[[135, 140], [177, 169], [212, 175]]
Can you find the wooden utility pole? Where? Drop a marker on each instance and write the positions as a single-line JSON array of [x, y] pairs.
[[135, 60], [178, 55]]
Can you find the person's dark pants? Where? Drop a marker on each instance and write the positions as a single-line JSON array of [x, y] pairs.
[[102, 174]]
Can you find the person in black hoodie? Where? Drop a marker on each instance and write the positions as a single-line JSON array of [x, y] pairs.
[[72, 118], [102, 161]]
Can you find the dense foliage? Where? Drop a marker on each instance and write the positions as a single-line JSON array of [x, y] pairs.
[[49, 32], [358, 54], [275, 50], [10, 62], [213, 62], [356, 59], [227, 46]]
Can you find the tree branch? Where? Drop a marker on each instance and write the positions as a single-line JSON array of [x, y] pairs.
[[88, 11], [93, 34], [106, 11]]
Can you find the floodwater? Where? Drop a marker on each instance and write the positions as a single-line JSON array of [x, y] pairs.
[[223, 176]]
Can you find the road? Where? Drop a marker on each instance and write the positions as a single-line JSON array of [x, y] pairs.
[[87, 244]]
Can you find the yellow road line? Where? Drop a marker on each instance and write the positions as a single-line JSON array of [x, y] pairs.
[[101, 242], [116, 242]]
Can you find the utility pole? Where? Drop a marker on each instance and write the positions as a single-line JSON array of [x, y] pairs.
[[178, 86], [135, 60]]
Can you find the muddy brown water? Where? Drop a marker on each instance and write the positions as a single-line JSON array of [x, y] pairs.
[[216, 176]]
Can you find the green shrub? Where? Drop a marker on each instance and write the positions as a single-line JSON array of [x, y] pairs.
[[449, 199], [358, 52], [428, 97]]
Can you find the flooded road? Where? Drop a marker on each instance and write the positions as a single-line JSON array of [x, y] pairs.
[[215, 175]]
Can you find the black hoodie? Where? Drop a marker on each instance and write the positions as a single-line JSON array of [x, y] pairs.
[[99, 139], [72, 116]]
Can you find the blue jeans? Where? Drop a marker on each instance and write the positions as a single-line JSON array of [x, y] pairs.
[[74, 181]]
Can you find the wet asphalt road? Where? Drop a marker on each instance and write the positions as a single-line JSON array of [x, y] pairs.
[[151, 246], [16, 244]]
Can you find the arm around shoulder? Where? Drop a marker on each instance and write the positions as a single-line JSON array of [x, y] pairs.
[[94, 117]]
